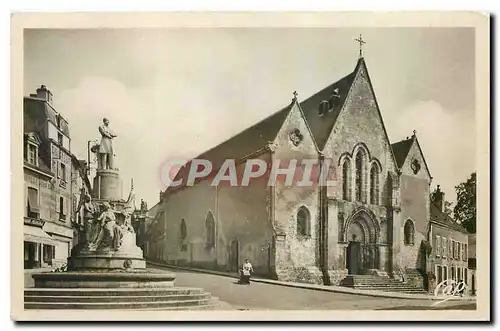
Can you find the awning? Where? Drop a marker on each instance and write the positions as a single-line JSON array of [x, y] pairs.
[[37, 235]]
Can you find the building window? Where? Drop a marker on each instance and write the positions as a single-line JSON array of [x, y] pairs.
[[346, 180], [374, 184], [60, 138], [409, 232], [33, 154], [33, 209], [445, 272], [183, 235], [210, 229], [453, 250], [445, 247], [439, 274], [48, 254], [323, 108], [466, 276], [438, 246], [62, 173], [453, 276], [303, 222], [359, 175], [62, 211], [465, 252], [459, 251]]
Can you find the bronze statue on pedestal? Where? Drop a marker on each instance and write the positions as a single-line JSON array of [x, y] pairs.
[[105, 160]]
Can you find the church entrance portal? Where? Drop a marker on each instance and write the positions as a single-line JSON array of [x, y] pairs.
[[362, 251]]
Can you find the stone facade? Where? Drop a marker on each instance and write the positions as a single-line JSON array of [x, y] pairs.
[[374, 199], [52, 175], [296, 255], [360, 129], [241, 219]]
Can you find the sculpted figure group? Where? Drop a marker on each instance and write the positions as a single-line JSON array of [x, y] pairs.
[[103, 230]]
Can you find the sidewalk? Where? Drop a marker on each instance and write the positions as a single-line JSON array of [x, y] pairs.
[[324, 288]]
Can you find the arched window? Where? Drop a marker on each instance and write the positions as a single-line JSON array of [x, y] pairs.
[[183, 235], [303, 222], [359, 175], [409, 230], [374, 187], [210, 229], [346, 180], [183, 230]]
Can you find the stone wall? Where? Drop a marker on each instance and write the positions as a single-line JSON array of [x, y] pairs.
[[241, 214], [360, 122], [414, 208], [360, 127], [296, 256]]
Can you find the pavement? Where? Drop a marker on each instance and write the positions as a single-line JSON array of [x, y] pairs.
[[265, 294], [325, 288]]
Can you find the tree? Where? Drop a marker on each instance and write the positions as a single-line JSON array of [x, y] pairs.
[[465, 209], [448, 208]]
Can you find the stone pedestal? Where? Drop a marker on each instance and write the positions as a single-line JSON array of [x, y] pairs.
[[107, 185]]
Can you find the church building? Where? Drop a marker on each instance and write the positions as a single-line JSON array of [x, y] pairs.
[[373, 220]]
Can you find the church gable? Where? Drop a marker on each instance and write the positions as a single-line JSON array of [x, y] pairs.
[[295, 137], [360, 123], [414, 163]]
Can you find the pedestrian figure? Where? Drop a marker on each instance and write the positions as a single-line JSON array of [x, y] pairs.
[[246, 272]]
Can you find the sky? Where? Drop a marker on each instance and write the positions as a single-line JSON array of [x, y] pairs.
[[176, 92]]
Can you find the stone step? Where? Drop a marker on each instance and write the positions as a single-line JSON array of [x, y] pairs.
[[379, 283], [391, 289], [385, 285], [210, 306], [105, 298], [388, 288], [177, 304], [111, 291]]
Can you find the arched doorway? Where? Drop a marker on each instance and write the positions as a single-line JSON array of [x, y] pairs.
[[362, 233], [234, 252]]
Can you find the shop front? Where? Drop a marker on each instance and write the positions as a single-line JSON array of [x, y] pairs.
[[39, 246]]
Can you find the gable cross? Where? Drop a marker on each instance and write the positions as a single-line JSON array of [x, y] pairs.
[[361, 43]]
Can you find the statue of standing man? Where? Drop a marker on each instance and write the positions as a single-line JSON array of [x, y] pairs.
[[106, 146]]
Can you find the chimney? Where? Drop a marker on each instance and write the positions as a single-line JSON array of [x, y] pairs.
[[438, 198], [43, 93]]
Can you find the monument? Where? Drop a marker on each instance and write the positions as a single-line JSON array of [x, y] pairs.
[[108, 259]]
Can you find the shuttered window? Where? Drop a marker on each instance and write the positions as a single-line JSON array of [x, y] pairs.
[[33, 200]]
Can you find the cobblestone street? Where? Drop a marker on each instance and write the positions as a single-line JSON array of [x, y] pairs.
[[258, 296]]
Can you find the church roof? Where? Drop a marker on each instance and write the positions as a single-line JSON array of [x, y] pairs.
[[440, 218], [321, 125], [264, 132], [401, 150], [37, 111], [244, 143], [42, 166]]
